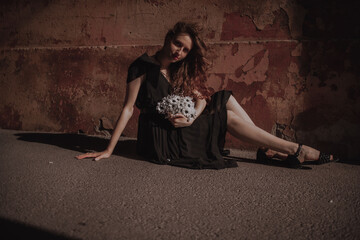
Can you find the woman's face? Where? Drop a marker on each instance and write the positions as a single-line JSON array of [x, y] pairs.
[[180, 46]]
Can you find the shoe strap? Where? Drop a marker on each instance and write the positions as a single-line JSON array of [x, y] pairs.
[[298, 150]]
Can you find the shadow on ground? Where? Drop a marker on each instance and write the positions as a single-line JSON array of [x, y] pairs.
[[270, 162], [125, 148], [15, 230], [81, 143]]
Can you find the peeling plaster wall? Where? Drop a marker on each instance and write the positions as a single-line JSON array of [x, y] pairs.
[[293, 65]]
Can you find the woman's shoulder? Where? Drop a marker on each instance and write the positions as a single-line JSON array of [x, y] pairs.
[[140, 66]]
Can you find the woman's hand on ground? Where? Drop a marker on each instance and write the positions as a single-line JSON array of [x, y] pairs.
[[178, 120], [96, 155]]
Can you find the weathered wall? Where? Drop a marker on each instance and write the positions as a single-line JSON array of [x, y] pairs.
[[293, 65]]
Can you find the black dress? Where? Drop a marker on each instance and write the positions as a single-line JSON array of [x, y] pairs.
[[197, 146]]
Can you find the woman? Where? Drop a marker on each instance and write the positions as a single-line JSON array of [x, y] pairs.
[[180, 68]]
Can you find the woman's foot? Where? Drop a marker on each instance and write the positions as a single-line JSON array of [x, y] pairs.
[[309, 154], [265, 155], [274, 154]]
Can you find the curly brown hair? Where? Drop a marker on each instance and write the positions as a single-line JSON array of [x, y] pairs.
[[189, 75]]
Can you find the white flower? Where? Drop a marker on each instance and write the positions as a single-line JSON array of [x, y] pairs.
[[173, 104], [188, 99], [160, 108]]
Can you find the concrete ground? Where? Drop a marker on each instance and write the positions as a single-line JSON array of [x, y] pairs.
[[48, 194]]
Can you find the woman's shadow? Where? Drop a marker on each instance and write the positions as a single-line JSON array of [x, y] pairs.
[[82, 143], [126, 148]]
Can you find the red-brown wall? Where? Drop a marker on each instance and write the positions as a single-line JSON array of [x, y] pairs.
[[293, 65]]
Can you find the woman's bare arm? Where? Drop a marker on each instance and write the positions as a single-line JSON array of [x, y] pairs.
[[132, 90], [200, 105]]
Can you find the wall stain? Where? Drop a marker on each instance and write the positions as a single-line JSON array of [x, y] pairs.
[[237, 25], [234, 49]]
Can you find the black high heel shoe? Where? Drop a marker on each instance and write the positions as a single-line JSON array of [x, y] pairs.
[[326, 158], [261, 156], [292, 161]]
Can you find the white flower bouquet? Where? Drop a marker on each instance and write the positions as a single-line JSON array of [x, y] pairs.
[[173, 104]]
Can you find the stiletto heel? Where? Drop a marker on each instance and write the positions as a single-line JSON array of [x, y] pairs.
[[261, 156], [292, 161]]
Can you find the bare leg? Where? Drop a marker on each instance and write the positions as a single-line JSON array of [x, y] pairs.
[[255, 135], [235, 107], [244, 130]]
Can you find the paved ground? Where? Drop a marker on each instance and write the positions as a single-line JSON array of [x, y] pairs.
[[47, 194]]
